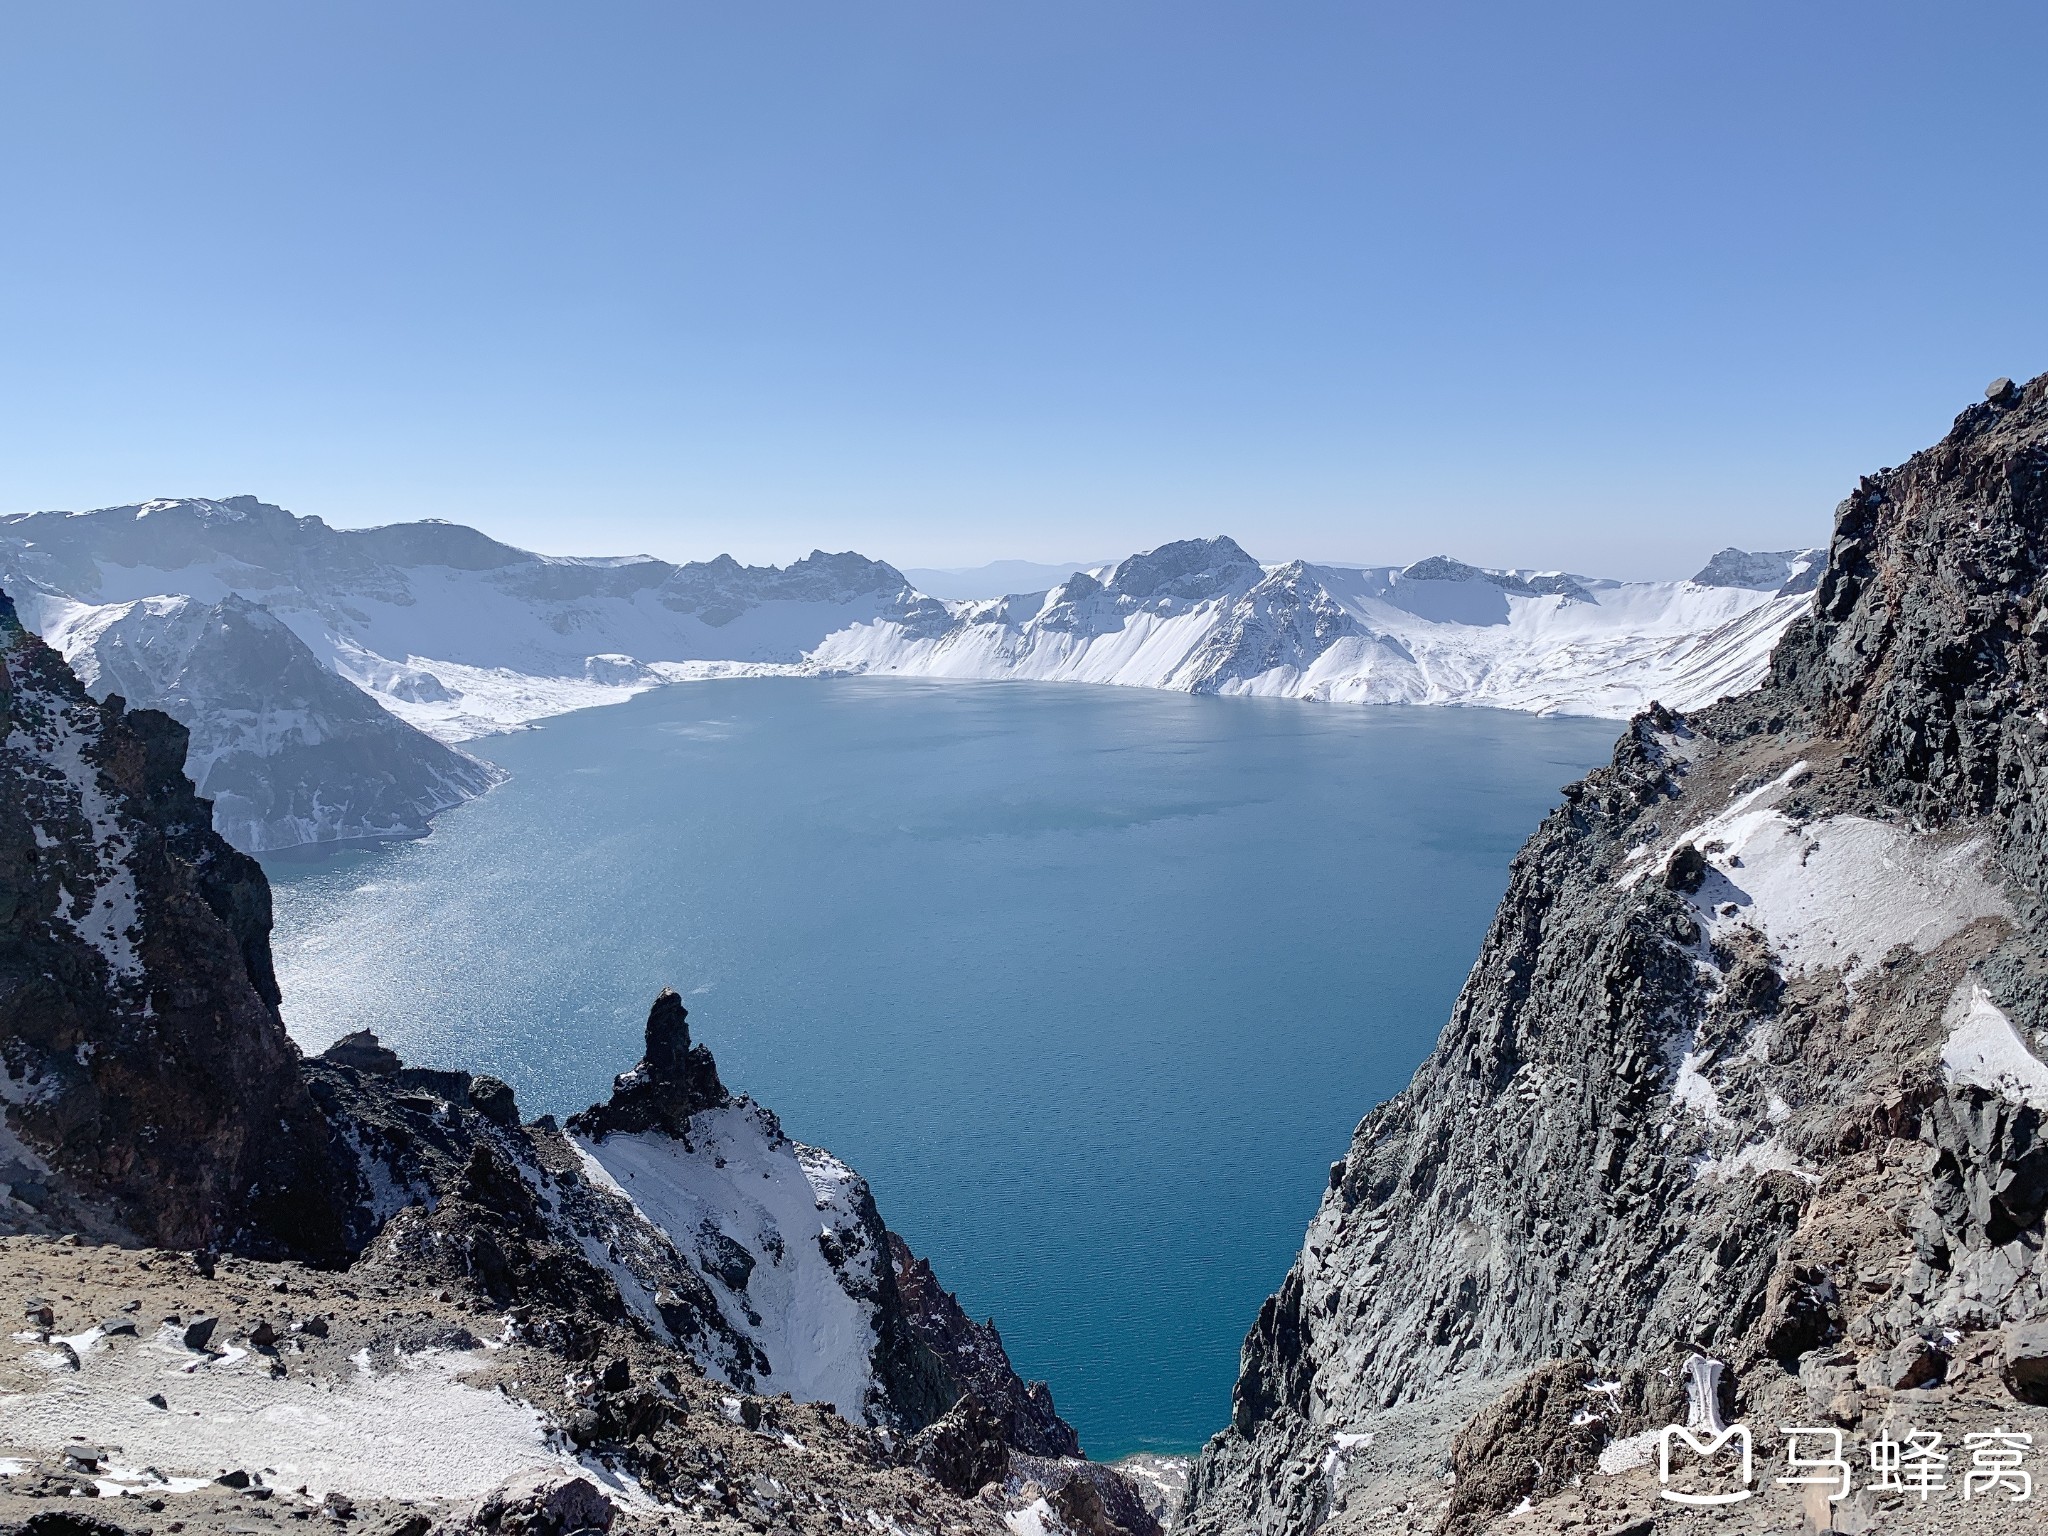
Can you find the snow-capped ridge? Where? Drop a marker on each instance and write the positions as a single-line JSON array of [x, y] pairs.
[[1783, 571], [1202, 616]]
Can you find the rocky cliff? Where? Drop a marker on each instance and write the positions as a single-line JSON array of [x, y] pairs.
[[150, 1093], [1751, 1067]]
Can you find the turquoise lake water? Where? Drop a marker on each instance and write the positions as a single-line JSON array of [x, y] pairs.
[[1092, 984]]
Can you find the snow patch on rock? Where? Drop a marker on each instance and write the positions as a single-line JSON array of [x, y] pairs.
[[1837, 893], [805, 1292], [1757, 1158], [1983, 1050], [1841, 892]]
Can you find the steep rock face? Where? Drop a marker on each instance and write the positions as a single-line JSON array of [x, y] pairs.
[[288, 752], [149, 1089], [1752, 1060], [975, 1361]]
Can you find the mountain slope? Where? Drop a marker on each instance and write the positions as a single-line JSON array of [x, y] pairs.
[[1753, 1064], [457, 633], [288, 752]]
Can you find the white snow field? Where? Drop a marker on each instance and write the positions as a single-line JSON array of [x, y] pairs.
[[408, 1427], [1452, 634]]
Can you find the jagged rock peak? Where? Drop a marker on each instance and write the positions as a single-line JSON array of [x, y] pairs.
[[673, 1081], [1442, 568], [1189, 570]]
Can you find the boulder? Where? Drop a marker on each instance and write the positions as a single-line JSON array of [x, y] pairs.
[[362, 1051], [2025, 1362], [493, 1099], [544, 1503], [1914, 1364], [963, 1450], [65, 1522], [1686, 870]]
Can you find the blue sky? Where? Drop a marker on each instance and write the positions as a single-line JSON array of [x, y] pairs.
[[1604, 286]]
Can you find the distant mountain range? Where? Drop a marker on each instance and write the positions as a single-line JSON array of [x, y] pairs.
[[326, 674]]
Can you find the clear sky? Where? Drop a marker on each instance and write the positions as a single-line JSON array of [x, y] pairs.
[[1604, 286]]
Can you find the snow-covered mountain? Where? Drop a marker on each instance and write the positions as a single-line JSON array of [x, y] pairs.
[[451, 630], [1203, 616], [289, 752], [458, 635]]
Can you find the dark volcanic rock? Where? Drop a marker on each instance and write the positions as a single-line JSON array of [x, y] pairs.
[[138, 1021], [672, 1082], [66, 1522], [494, 1101], [962, 1450], [362, 1051], [545, 1504], [976, 1362]]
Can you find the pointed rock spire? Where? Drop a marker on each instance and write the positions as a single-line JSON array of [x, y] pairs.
[[673, 1081]]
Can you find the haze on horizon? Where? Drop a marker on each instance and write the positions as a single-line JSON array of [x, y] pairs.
[[1596, 286]]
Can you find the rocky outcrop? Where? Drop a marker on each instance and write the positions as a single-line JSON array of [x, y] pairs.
[[149, 1091], [545, 1504], [976, 1362], [1751, 1062], [673, 1081], [963, 1449]]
